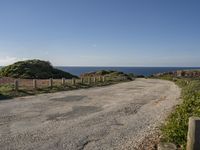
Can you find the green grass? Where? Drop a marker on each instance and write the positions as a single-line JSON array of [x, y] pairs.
[[176, 127], [7, 91]]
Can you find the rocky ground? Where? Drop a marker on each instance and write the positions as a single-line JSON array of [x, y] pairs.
[[116, 117]]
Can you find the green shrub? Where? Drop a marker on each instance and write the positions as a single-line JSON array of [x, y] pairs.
[[109, 74], [34, 69]]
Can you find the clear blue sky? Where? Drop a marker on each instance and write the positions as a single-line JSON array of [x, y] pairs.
[[101, 32]]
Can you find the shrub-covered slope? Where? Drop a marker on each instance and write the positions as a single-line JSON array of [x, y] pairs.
[[33, 69], [107, 73]]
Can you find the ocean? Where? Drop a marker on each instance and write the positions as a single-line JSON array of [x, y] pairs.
[[146, 71]]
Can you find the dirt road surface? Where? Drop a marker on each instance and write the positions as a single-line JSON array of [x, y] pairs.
[[105, 118]]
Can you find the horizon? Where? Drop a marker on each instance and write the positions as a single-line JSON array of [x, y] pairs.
[[121, 66], [94, 33]]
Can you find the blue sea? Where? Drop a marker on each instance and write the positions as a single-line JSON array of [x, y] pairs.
[[146, 71]]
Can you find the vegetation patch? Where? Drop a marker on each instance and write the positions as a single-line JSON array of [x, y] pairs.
[[34, 69], [37, 69], [109, 74], [7, 90], [176, 128]]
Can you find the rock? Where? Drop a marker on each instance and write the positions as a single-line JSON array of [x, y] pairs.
[[166, 146]]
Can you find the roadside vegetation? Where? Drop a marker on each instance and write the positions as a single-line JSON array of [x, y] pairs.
[[39, 69], [176, 128], [109, 74], [8, 91]]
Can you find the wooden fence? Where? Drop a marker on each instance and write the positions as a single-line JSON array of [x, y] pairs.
[[44, 83], [193, 139]]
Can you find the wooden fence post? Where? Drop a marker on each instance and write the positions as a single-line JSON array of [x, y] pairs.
[[81, 80], [89, 80], [193, 138], [50, 82], [94, 79], [73, 81], [63, 81], [99, 78], [16, 85], [103, 79], [34, 84]]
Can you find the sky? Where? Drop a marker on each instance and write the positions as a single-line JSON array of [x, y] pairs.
[[101, 32]]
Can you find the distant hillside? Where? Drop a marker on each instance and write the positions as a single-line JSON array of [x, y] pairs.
[[107, 73], [192, 73], [34, 69]]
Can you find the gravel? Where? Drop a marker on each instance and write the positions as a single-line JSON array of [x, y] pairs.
[[116, 117]]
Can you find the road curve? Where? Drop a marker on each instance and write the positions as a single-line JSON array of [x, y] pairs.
[[112, 117]]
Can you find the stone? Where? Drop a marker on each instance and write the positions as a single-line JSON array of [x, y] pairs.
[[166, 146]]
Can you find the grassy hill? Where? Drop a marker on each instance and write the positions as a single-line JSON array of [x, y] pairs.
[[34, 69]]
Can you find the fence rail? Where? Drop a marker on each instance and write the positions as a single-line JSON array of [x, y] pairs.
[[44, 83]]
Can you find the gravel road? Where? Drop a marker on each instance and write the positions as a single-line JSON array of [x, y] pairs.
[[105, 118]]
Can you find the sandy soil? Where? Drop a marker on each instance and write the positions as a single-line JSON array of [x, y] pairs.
[[113, 117]]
